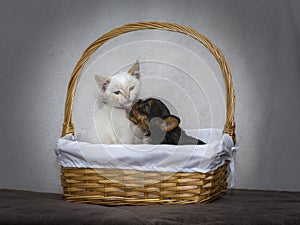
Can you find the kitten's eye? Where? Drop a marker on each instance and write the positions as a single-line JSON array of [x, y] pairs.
[[131, 88], [117, 92]]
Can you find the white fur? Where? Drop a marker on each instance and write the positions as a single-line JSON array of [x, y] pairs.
[[121, 82], [111, 125]]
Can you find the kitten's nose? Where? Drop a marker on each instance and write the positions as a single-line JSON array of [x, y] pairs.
[[126, 97]]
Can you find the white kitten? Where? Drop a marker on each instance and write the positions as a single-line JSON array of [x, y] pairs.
[[117, 93]]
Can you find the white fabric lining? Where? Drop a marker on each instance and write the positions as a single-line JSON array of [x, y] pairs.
[[164, 158]]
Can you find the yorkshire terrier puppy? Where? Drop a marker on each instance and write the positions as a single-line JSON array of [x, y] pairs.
[[154, 118]]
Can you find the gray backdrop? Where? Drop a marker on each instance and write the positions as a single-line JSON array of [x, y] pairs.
[[41, 42]]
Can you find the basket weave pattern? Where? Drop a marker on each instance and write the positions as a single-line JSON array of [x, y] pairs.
[[103, 186], [141, 188]]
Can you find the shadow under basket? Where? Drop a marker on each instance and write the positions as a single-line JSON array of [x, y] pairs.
[[133, 187]]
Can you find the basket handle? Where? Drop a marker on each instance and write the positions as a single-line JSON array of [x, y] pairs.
[[229, 127]]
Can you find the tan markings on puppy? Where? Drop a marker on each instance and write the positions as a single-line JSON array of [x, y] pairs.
[[170, 123], [143, 123], [150, 103], [139, 119]]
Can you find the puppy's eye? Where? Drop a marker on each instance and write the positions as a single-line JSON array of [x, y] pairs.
[[141, 107], [131, 88], [117, 92], [145, 106]]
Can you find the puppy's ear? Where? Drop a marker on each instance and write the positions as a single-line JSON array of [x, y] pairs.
[[135, 70], [102, 82], [170, 123]]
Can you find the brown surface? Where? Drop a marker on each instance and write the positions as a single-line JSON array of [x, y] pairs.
[[236, 207]]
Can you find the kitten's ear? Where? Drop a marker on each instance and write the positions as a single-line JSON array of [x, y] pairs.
[[135, 70], [170, 123], [102, 82]]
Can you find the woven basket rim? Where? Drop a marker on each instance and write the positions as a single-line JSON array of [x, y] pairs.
[[229, 127]]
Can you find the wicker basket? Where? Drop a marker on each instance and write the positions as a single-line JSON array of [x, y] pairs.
[[84, 185]]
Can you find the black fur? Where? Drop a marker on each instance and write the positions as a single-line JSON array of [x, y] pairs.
[[156, 111]]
